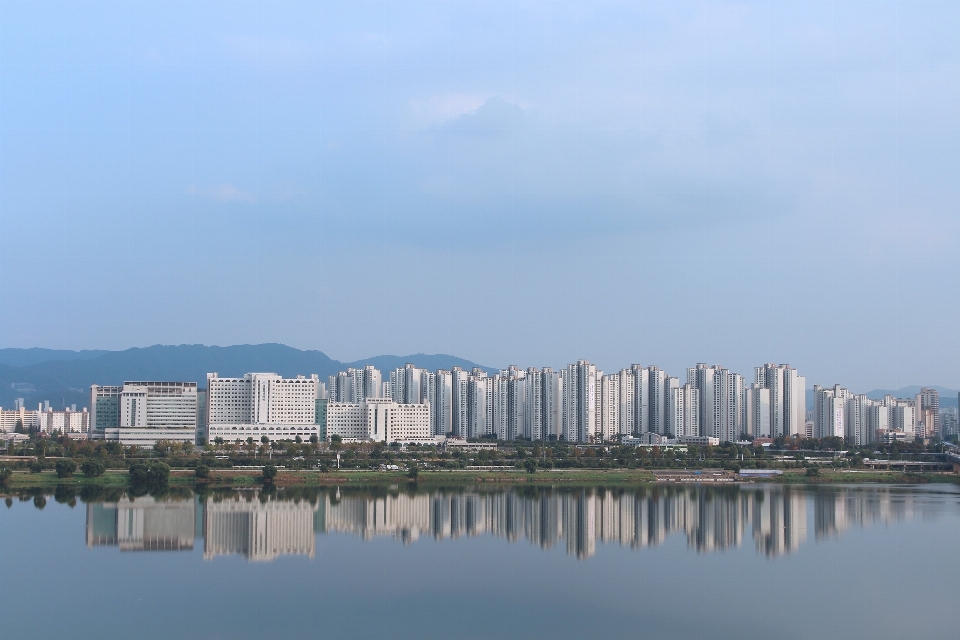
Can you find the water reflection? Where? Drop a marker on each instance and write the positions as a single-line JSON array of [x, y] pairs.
[[261, 526]]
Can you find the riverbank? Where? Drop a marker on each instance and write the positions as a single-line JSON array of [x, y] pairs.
[[621, 477]]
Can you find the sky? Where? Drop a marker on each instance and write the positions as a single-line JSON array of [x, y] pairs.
[[524, 183]]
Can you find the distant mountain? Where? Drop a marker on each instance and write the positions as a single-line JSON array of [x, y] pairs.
[[36, 355], [909, 392], [67, 380]]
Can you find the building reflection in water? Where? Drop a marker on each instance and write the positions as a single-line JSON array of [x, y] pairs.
[[143, 524], [260, 526]]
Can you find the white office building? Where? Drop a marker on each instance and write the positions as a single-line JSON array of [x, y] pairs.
[[141, 413], [262, 404], [379, 420]]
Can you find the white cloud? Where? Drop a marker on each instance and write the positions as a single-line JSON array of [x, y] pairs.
[[443, 108]]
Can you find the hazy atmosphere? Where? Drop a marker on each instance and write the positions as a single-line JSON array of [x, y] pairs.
[[512, 183]]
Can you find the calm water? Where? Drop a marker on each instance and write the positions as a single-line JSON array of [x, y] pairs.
[[672, 562]]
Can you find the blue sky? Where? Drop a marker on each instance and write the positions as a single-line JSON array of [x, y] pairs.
[[515, 183]]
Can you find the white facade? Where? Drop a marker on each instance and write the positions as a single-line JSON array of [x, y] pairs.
[[610, 416], [685, 411], [262, 404], [787, 398], [67, 422], [830, 411], [10, 417], [509, 403], [379, 420], [479, 404], [141, 413], [756, 411], [582, 403]]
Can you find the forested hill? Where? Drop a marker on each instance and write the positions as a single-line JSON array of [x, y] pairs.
[[64, 377]]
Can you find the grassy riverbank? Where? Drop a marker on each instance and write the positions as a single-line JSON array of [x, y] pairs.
[[624, 477]]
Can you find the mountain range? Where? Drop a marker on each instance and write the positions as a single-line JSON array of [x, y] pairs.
[[64, 377]]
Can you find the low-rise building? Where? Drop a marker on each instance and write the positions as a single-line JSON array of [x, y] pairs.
[[378, 420]]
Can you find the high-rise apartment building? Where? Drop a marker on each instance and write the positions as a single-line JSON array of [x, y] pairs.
[[721, 401], [509, 403], [685, 411], [610, 407], [830, 411], [787, 398], [459, 402], [442, 405], [353, 385], [582, 403], [928, 410], [479, 404], [756, 411]]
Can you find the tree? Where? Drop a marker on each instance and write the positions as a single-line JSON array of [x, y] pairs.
[[41, 447], [298, 439], [413, 471], [93, 468], [35, 467], [812, 472], [314, 439], [65, 468], [530, 465], [19, 428], [5, 473], [264, 439], [153, 473], [202, 471], [269, 473], [336, 441]]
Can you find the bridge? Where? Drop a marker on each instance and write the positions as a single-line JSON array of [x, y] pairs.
[[951, 454]]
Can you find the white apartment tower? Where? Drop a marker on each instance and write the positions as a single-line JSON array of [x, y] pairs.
[[610, 407], [582, 403], [479, 404], [685, 411], [721, 398], [509, 403], [442, 405], [787, 398]]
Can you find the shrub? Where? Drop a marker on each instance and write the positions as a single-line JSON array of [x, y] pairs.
[[65, 468], [92, 467], [202, 471], [35, 467], [269, 473], [812, 472], [5, 474]]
